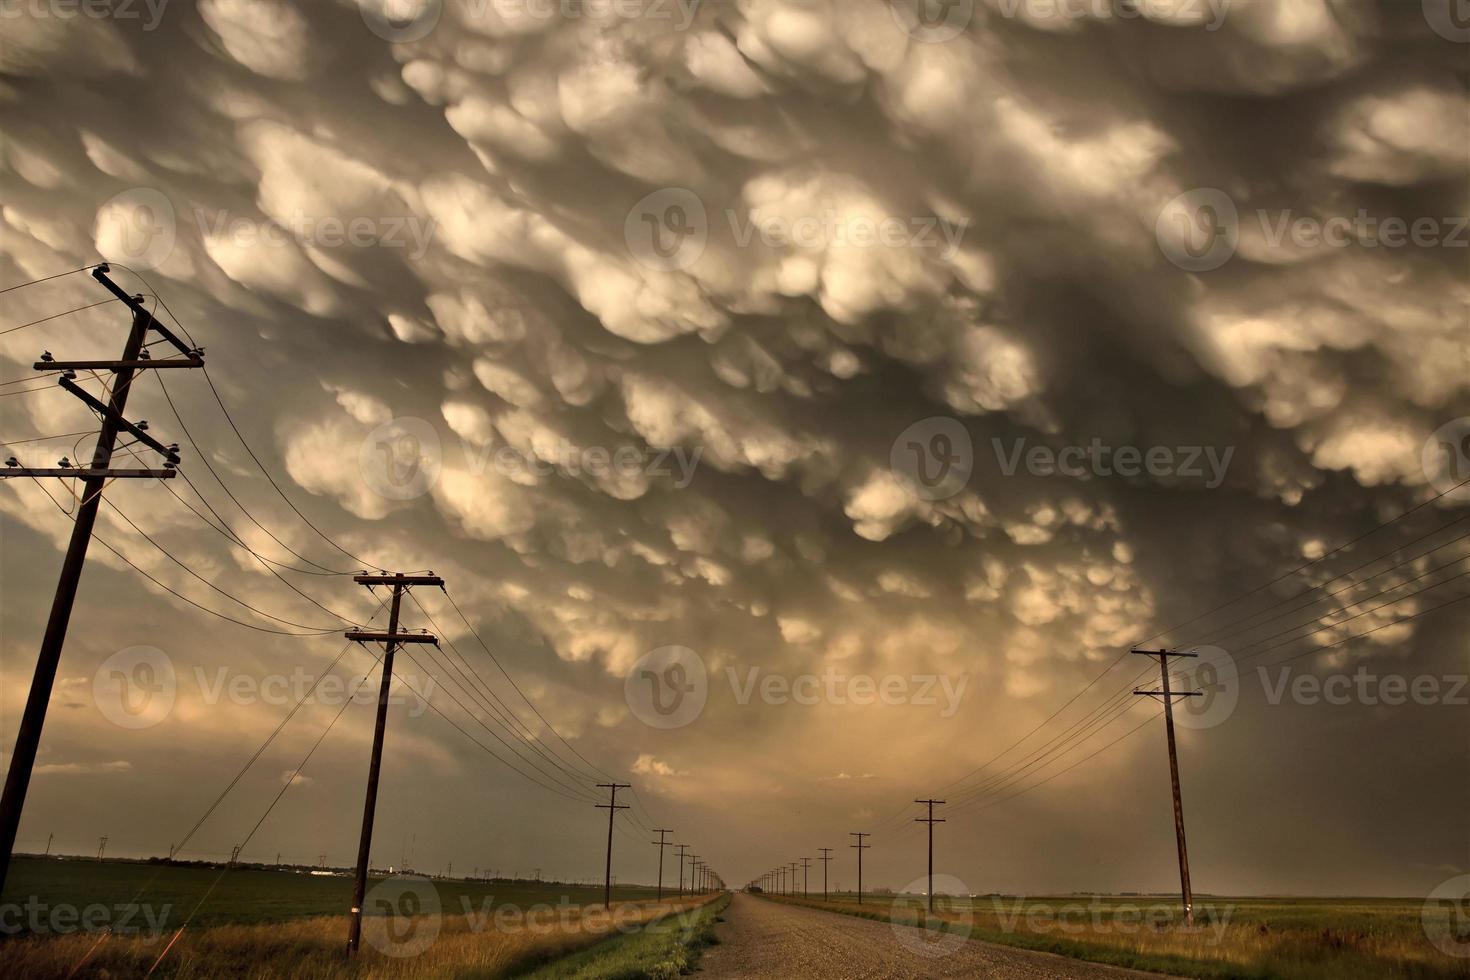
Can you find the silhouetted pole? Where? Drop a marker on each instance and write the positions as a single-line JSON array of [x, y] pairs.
[[860, 847], [826, 859], [931, 821], [612, 806], [1166, 696], [806, 864], [662, 843], [93, 478], [390, 640]]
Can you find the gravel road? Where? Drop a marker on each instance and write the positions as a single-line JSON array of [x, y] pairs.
[[761, 939]]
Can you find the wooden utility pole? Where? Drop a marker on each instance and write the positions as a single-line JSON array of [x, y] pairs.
[[860, 847], [1167, 696], [94, 479], [931, 821], [390, 640], [101, 846], [806, 864], [662, 843], [826, 859], [682, 849], [612, 806]]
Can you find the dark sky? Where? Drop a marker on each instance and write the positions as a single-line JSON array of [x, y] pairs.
[[806, 337]]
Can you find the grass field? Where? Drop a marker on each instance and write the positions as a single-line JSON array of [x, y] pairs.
[[659, 952], [1255, 938], [164, 895], [258, 923]]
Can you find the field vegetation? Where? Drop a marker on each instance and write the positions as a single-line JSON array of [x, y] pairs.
[[1245, 938]]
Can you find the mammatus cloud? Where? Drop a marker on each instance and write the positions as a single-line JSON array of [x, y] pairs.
[[662, 288]]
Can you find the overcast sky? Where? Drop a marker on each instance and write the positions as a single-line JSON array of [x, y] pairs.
[[947, 354]]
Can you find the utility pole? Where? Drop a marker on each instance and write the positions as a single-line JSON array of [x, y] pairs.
[[662, 843], [826, 859], [860, 847], [931, 821], [400, 584], [94, 479], [612, 806], [101, 846], [1167, 696], [48, 845], [682, 849], [806, 864]]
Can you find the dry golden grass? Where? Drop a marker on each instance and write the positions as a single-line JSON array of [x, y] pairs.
[[492, 945], [1294, 941]]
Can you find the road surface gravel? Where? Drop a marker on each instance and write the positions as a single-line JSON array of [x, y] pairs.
[[763, 939]]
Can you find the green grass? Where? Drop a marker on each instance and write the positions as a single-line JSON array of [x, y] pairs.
[[661, 950], [1233, 939], [165, 894]]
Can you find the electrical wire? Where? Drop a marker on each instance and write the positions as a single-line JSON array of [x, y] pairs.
[[125, 560]]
